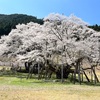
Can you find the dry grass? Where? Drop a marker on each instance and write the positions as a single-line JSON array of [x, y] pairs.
[[69, 92]]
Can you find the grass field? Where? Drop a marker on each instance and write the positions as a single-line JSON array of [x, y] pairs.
[[16, 87]]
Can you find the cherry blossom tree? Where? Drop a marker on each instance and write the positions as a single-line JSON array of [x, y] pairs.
[[67, 36]]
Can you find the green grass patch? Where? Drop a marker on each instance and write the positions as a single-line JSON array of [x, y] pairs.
[[35, 83], [19, 79]]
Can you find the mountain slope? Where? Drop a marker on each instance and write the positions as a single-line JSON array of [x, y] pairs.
[[8, 22]]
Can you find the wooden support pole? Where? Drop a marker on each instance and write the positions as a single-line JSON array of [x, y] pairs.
[[72, 77], [75, 74], [86, 75], [62, 68], [31, 72], [38, 70], [82, 76], [79, 77], [91, 74], [95, 76]]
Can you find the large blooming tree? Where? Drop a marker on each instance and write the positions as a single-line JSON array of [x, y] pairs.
[[63, 37]]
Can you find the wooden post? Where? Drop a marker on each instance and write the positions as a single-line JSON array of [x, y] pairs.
[[75, 74], [62, 67], [95, 76], [72, 77], [31, 71], [79, 77], [82, 77], [91, 74], [86, 76], [38, 70]]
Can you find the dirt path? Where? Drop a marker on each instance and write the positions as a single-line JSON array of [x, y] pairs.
[[73, 92]]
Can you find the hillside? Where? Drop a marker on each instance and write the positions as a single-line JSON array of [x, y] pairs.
[[9, 22]]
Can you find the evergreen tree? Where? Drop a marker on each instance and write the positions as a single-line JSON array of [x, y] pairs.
[[9, 22]]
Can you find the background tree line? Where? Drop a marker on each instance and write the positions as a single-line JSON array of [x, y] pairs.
[[95, 27], [9, 22]]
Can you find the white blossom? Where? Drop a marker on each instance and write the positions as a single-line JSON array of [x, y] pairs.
[[70, 38]]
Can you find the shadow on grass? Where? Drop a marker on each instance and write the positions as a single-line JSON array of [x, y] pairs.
[[34, 79], [91, 83]]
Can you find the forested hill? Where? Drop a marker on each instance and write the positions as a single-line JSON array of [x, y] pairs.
[[95, 27], [8, 22]]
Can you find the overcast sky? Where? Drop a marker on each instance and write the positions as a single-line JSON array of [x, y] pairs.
[[88, 10]]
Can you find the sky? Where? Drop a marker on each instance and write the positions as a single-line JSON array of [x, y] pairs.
[[87, 10]]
